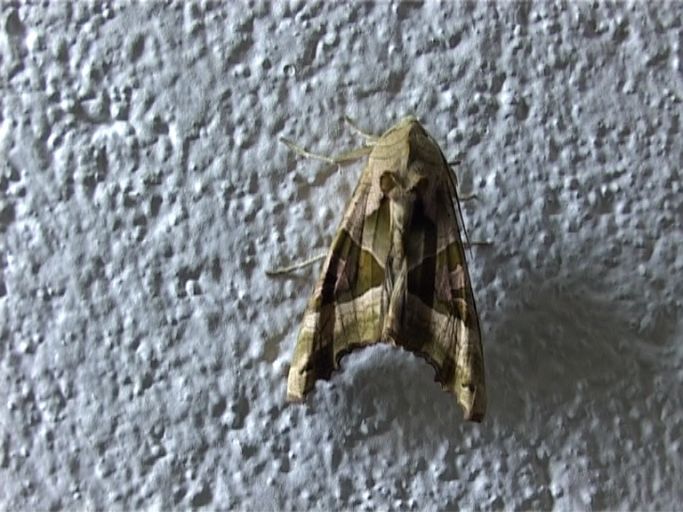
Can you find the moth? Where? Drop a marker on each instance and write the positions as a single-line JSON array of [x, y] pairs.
[[396, 273]]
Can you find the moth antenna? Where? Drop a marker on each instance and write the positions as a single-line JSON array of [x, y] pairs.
[[342, 159], [454, 185], [304, 152], [295, 266], [453, 182], [369, 138]]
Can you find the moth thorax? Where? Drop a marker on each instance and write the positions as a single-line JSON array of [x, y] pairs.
[[401, 211]]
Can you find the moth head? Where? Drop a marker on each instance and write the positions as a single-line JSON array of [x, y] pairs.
[[409, 120]]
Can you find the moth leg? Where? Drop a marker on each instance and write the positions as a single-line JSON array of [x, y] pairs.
[[369, 138], [295, 266], [477, 242], [346, 157]]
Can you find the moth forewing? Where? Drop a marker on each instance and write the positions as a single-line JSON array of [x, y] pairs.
[[396, 273]]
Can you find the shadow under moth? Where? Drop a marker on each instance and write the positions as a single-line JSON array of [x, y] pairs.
[[396, 272]]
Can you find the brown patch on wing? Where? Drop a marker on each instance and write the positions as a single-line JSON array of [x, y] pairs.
[[345, 309]]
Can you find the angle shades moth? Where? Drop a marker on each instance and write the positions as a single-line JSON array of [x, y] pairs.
[[396, 272]]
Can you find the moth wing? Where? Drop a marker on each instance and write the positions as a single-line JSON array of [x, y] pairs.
[[349, 301], [437, 318]]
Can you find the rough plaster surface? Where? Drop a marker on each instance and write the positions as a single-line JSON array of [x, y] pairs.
[[144, 192]]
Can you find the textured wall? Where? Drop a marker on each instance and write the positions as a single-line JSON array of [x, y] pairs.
[[143, 351]]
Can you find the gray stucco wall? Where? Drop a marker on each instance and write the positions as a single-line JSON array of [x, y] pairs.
[[143, 350]]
